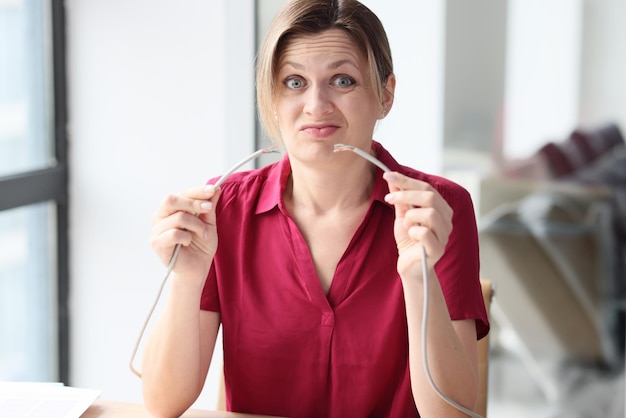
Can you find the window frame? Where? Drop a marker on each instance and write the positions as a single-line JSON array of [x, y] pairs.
[[51, 184]]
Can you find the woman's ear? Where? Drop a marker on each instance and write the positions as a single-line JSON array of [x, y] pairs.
[[388, 94]]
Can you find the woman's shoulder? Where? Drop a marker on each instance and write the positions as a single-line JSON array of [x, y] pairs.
[[442, 184], [252, 187], [247, 178]]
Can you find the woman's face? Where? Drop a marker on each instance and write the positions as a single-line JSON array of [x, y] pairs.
[[325, 96]]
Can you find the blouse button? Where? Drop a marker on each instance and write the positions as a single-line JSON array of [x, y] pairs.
[[328, 319]]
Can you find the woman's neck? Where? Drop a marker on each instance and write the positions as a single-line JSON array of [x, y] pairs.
[[321, 191]]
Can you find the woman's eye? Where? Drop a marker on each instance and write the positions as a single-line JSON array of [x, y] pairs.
[[294, 83], [344, 81]]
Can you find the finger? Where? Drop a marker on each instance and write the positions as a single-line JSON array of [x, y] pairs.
[[416, 193], [180, 228], [405, 192], [419, 198], [433, 247], [432, 239], [401, 182], [206, 192], [195, 201], [181, 221], [165, 242], [430, 218]]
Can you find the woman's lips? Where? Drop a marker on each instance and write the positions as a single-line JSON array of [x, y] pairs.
[[320, 131]]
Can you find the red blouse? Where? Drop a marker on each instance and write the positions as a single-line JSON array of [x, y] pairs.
[[290, 349]]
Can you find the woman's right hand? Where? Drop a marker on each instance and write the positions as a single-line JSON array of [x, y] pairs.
[[175, 222]]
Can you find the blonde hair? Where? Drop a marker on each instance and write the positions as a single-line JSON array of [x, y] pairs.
[[306, 17]]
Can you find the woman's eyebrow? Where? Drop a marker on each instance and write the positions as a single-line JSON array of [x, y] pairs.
[[332, 66], [295, 65], [337, 64]]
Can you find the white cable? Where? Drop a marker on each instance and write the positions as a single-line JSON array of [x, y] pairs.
[[172, 262], [424, 345]]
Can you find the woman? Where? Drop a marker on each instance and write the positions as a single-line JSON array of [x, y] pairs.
[[317, 280]]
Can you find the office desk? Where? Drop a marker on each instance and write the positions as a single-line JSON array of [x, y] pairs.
[[111, 409]]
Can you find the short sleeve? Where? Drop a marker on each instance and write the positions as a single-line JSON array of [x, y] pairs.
[[459, 268], [210, 300]]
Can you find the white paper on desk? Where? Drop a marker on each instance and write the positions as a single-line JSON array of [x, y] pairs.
[[44, 400]]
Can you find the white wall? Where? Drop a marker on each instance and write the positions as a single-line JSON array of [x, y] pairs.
[[603, 84], [543, 73], [153, 89], [413, 131], [475, 58]]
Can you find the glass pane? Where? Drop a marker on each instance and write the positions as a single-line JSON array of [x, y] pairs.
[[266, 10], [25, 86], [28, 330]]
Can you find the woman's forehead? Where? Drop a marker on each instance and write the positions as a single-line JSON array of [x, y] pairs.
[[334, 45]]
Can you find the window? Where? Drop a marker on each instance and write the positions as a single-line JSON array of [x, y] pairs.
[[33, 192]]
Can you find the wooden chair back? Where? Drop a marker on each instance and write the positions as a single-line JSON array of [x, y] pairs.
[[483, 353]]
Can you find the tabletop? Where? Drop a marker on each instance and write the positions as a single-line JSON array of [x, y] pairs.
[[112, 409]]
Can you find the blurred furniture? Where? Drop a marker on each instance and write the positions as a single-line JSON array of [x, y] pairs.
[[552, 230], [551, 252]]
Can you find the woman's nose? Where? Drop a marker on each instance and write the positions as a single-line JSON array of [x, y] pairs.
[[318, 101]]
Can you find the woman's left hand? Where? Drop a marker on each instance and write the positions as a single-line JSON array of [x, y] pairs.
[[422, 217]]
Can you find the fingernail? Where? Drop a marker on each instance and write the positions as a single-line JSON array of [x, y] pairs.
[[389, 198], [209, 188], [206, 205], [390, 176]]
